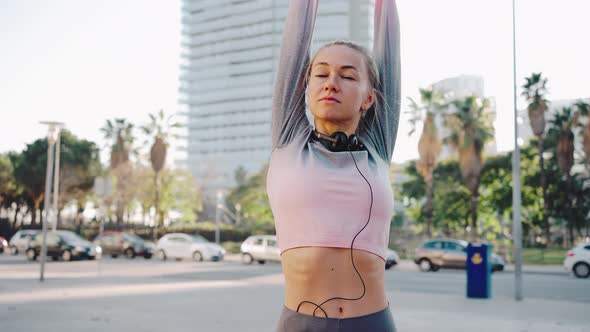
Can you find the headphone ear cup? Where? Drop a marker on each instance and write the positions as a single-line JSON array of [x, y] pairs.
[[341, 143], [353, 141]]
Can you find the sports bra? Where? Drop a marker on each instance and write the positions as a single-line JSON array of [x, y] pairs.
[[317, 196]]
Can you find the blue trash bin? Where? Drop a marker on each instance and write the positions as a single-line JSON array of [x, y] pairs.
[[479, 270]]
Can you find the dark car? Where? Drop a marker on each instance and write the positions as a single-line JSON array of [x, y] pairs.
[[121, 243], [61, 244], [448, 253]]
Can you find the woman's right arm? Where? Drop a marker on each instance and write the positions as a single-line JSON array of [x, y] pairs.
[[288, 104]]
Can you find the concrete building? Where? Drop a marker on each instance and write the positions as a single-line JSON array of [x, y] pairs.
[[229, 60]]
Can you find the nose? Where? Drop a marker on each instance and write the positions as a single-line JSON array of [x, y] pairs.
[[330, 84]]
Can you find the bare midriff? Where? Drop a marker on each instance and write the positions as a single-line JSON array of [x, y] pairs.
[[316, 274]]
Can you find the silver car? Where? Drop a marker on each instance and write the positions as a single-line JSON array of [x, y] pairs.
[[19, 242], [260, 248], [180, 245], [448, 253]]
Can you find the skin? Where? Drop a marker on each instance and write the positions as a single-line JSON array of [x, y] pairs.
[[339, 72], [318, 273]]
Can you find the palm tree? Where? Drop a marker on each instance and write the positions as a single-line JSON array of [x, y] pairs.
[[584, 110], [471, 128], [120, 132], [562, 125], [429, 145], [160, 128], [534, 92]]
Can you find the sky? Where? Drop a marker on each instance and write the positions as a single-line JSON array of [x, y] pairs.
[[82, 62]]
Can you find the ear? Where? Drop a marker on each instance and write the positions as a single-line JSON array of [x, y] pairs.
[[368, 102]]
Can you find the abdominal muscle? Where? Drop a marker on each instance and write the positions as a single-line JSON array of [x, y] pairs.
[[316, 274]]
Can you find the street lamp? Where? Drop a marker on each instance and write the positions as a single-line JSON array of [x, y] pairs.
[[52, 134], [217, 215], [516, 191]]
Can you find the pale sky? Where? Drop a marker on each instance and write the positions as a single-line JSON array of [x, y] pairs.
[[82, 62]]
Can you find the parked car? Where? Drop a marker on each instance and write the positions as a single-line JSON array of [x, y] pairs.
[[260, 248], [62, 244], [121, 243], [392, 259], [180, 245], [577, 260], [19, 242], [448, 253], [3, 245]]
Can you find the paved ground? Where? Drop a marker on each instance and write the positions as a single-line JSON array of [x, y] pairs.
[[123, 295]]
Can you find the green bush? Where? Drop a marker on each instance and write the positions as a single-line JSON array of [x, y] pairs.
[[231, 247]]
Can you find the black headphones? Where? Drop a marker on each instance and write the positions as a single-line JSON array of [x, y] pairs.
[[338, 141]]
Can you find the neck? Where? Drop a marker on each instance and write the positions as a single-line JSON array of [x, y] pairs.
[[328, 128]]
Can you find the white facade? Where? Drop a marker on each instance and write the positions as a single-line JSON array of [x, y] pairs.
[[229, 60]]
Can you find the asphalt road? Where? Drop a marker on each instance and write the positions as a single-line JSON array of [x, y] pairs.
[[152, 295]]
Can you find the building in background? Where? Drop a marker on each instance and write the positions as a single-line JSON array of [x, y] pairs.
[[230, 52]]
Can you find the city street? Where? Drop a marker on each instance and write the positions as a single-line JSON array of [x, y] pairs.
[[153, 295]]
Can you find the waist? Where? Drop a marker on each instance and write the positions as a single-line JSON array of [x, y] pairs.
[[316, 274]]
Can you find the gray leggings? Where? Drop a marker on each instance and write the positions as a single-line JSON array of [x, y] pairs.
[[291, 321]]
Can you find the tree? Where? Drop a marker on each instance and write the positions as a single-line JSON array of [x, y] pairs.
[[584, 110], [120, 132], [80, 163], [253, 199], [160, 128], [7, 180], [562, 123], [471, 128], [429, 145], [534, 92]]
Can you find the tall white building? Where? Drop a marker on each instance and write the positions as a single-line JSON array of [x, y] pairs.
[[229, 60]]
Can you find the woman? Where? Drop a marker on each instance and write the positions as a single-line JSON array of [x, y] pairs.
[[328, 184]]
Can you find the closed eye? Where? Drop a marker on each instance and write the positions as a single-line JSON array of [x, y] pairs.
[[348, 78], [321, 75]]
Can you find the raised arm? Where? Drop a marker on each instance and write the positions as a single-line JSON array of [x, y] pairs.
[[382, 127], [288, 105]]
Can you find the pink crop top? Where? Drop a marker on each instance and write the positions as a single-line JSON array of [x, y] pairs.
[[318, 198]]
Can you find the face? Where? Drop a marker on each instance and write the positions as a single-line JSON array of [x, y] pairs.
[[338, 89]]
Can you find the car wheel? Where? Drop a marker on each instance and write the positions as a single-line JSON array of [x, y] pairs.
[[54, 258], [147, 256], [13, 250], [162, 255], [114, 255], [435, 268], [247, 259], [66, 255], [197, 256], [388, 265], [261, 261], [425, 265], [129, 253], [582, 270], [31, 254]]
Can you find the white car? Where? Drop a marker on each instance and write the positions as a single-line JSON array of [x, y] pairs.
[[577, 260], [19, 242], [180, 245], [260, 248]]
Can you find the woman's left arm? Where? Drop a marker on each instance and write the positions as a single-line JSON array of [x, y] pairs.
[[381, 128]]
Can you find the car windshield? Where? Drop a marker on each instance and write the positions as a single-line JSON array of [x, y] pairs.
[[199, 239], [132, 238], [71, 237]]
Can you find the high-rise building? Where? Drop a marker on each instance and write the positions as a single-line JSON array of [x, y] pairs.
[[230, 54]]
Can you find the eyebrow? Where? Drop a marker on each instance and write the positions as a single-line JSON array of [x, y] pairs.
[[343, 67]]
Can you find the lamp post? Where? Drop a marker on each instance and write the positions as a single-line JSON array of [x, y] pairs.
[[516, 191], [52, 133], [217, 216]]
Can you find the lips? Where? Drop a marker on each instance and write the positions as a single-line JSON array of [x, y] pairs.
[[330, 100]]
